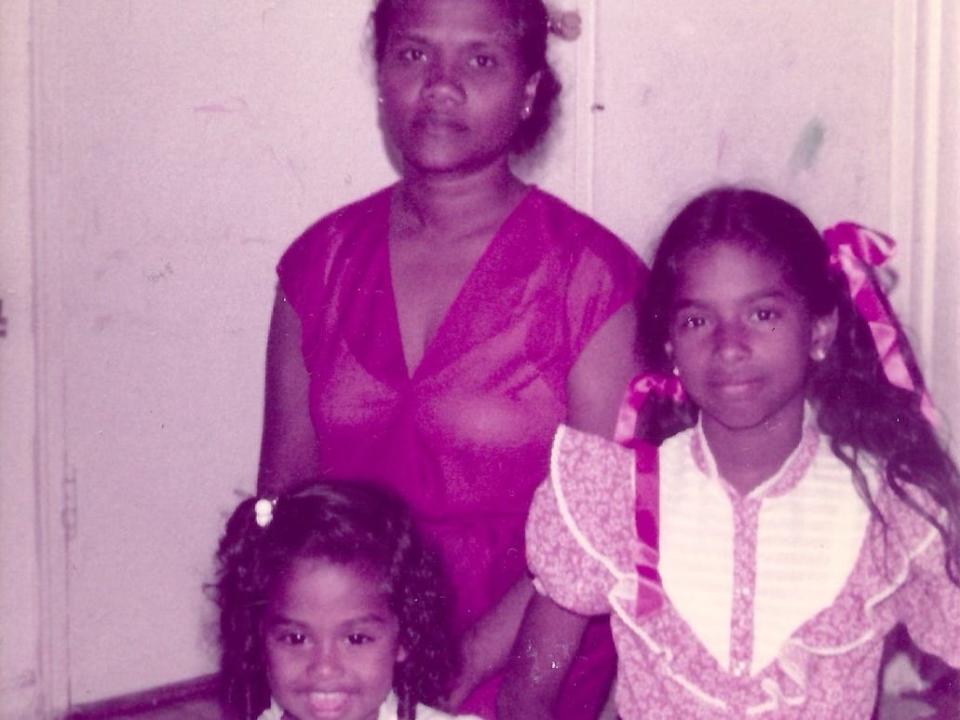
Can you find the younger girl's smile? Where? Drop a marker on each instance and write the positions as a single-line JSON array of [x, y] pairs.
[[331, 642]]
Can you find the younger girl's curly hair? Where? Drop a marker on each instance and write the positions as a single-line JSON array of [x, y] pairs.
[[867, 418], [343, 523]]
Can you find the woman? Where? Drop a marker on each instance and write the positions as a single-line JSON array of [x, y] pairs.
[[434, 334]]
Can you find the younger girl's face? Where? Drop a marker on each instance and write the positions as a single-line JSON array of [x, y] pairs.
[[331, 642], [742, 338], [452, 84]]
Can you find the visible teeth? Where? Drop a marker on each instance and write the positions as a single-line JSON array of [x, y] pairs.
[[326, 701]]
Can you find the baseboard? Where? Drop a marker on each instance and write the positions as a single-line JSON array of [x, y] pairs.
[[197, 688]]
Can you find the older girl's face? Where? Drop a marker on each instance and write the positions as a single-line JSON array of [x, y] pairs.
[[742, 338], [452, 84]]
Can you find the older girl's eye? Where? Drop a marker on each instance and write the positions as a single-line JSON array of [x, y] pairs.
[[766, 314], [359, 639], [291, 638], [690, 321]]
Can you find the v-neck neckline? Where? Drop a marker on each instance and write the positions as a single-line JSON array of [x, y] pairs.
[[459, 298]]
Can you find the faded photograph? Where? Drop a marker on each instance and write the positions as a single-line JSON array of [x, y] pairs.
[[482, 359]]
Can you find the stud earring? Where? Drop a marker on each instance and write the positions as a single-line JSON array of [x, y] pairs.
[[818, 354], [525, 113], [676, 371]]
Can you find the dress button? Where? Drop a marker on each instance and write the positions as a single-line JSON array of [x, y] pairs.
[[745, 592]]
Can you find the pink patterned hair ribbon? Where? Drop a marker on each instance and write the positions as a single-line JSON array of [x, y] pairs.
[[640, 389], [647, 501], [853, 248]]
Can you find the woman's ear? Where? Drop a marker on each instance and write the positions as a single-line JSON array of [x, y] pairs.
[[530, 94], [822, 335]]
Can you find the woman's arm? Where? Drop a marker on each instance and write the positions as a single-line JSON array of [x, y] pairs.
[[486, 646], [599, 378], [288, 449], [542, 654]]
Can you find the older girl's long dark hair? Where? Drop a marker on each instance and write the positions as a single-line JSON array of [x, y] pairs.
[[343, 523], [868, 419]]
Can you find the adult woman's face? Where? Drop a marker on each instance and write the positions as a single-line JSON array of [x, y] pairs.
[[452, 83]]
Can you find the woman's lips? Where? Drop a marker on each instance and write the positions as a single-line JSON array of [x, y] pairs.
[[440, 124]]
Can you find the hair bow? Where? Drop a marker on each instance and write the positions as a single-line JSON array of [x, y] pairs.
[[853, 248], [640, 389]]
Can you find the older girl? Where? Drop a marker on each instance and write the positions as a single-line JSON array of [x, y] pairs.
[[755, 561]]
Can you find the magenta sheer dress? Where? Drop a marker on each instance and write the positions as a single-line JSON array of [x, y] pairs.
[[465, 436]]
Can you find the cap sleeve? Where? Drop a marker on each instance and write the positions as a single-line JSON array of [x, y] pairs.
[[581, 540], [606, 276], [929, 604], [301, 267]]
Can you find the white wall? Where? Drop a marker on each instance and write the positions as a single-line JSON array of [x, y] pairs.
[[19, 559], [177, 151]]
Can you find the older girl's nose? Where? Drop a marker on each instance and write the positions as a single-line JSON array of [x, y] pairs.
[[731, 340]]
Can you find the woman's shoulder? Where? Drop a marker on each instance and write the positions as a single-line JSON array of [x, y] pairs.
[[310, 256], [576, 230], [366, 211]]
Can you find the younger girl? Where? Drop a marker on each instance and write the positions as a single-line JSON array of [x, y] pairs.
[[806, 512], [330, 609]]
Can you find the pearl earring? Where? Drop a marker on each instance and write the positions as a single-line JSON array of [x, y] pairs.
[[818, 354], [525, 113]]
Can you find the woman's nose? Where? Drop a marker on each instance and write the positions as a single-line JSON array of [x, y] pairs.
[[443, 82]]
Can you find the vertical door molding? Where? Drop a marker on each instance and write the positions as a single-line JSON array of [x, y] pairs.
[[586, 106], [924, 189], [51, 453]]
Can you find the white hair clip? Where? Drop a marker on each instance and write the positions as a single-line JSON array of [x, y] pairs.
[[264, 511]]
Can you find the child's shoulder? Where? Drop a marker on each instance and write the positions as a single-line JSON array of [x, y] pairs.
[[593, 482], [593, 479], [428, 713], [583, 462]]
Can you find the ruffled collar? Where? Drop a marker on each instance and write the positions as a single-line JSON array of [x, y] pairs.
[[781, 482]]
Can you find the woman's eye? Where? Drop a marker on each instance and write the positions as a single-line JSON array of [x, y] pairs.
[[412, 55], [485, 62]]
